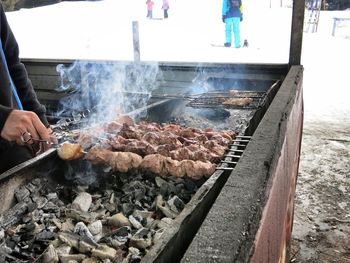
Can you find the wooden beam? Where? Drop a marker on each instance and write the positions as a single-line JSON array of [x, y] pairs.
[[136, 40], [296, 32]]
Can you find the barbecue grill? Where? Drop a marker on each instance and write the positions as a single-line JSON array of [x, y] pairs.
[[167, 106]]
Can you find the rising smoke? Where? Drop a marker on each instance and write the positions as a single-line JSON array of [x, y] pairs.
[[105, 89]]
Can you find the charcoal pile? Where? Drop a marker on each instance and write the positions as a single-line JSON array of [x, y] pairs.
[[115, 220], [124, 185]]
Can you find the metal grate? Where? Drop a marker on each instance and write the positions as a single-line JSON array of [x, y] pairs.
[[234, 153], [236, 100]]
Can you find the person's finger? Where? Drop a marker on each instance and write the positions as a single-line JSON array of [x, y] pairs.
[[19, 141], [42, 131]]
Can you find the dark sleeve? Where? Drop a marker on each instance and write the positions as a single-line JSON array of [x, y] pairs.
[[18, 72]]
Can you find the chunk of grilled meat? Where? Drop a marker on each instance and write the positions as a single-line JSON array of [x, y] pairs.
[[119, 161], [70, 151], [163, 166], [237, 102]]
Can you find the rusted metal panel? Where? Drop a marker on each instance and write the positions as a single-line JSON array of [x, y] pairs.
[[233, 230], [274, 234]]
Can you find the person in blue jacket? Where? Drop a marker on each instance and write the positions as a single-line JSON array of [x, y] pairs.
[[232, 15]]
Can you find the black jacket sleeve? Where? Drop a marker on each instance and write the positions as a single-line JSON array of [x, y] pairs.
[[18, 74]]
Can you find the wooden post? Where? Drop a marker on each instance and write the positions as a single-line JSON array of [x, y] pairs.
[[85, 86], [136, 40], [296, 38]]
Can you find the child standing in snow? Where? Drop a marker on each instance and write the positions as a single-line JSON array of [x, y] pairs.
[[149, 4], [165, 8]]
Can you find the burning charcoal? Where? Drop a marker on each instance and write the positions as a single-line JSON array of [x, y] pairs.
[[27, 230], [26, 219], [82, 230], [36, 215], [33, 188], [11, 231], [2, 233], [4, 252], [50, 207], [80, 243], [63, 250], [50, 256], [45, 236], [158, 234], [82, 202], [68, 258], [95, 227], [176, 204], [86, 217], [142, 214], [13, 215], [165, 222], [91, 260], [127, 208], [32, 206], [179, 187], [160, 181], [40, 201], [57, 223], [96, 205], [22, 194], [142, 239], [134, 222], [118, 238], [51, 196], [162, 206], [112, 208], [190, 185], [10, 244], [118, 220], [37, 181], [68, 226], [134, 251], [104, 252]]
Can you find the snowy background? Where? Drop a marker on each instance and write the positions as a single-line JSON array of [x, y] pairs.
[[102, 30]]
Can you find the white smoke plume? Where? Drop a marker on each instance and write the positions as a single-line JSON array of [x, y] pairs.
[[106, 89]]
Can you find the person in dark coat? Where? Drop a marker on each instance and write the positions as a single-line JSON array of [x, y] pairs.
[[232, 15], [21, 115]]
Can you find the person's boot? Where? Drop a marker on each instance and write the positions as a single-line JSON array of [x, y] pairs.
[[245, 44], [227, 44]]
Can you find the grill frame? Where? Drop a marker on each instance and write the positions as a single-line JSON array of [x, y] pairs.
[[176, 239]]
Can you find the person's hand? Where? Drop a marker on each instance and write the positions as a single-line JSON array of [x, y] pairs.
[[223, 18], [19, 123], [241, 17]]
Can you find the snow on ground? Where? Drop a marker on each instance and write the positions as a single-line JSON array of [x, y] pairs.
[[102, 30]]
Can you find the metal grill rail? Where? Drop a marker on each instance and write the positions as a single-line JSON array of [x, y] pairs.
[[234, 153]]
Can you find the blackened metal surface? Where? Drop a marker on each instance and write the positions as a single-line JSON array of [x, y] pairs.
[[45, 164], [228, 232]]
